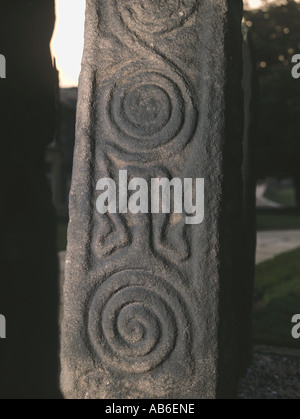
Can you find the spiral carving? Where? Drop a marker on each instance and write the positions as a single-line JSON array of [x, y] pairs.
[[156, 16], [139, 321], [147, 111], [136, 321]]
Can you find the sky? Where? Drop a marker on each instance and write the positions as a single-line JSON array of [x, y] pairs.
[[67, 41]]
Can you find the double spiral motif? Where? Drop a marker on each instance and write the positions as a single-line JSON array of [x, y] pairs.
[[136, 320], [156, 16]]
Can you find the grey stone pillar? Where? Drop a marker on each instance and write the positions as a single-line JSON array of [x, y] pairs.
[[150, 302]]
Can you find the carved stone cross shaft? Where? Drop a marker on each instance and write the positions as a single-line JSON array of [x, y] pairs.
[[150, 300]]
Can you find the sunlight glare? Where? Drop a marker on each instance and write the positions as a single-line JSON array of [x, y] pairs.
[[67, 42], [255, 3]]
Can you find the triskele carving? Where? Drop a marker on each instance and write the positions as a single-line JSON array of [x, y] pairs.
[[136, 320], [147, 111], [156, 16]]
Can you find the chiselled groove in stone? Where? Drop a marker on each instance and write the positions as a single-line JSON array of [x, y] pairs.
[[160, 102], [147, 47], [170, 237], [169, 240], [145, 110], [156, 17], [111, 233], [136, 321], [148, 108]]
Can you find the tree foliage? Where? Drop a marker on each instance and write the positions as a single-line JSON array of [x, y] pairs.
[[276, 39]]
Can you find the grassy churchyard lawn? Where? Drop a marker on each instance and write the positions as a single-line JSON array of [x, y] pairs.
[[285, 218], [277, 300], [278, 220]]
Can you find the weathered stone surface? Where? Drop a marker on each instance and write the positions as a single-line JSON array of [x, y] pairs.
[[150, 302], [28, 279]]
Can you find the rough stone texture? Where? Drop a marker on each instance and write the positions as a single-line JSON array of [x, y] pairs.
[[150, 303], [28, 279]]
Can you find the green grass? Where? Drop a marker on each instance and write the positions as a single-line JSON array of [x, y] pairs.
[[277, 300], [278, 220]]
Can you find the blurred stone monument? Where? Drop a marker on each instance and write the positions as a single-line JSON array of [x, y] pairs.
[[28, 284], [251, 117]]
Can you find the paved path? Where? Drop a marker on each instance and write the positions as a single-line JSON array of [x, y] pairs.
[[273, 243]]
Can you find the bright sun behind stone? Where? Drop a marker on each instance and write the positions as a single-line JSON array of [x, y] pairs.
[[67, 42]]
